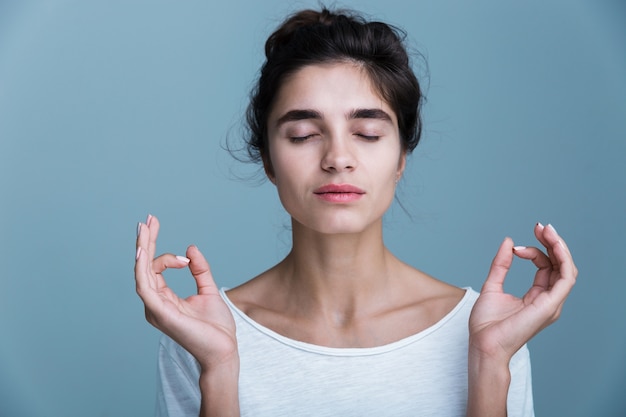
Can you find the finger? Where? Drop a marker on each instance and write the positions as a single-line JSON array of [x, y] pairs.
[[541, 233], [143, 259], [143, 241], [160, 304], [201, 271], [499, 267], [567, 271], [141, 245], [153, 226], [562, 255], [552, 238], [168, 260], [540, 260], [558, 251], [138, 234], [144, 283], [561, 258], [140, 278], [539, 228], [142, 229]]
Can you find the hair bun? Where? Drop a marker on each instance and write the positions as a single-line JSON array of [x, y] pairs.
[[297, 21], [312, 37]]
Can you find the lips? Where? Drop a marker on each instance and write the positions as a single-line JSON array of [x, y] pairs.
[[338, 189], [339, 193]]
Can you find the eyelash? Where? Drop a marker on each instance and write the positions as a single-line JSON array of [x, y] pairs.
[[368, 137], [298, 139]]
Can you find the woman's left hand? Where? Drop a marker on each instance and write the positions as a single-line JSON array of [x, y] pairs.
[[500, 323]]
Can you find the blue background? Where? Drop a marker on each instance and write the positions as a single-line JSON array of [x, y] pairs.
[[113, 109]]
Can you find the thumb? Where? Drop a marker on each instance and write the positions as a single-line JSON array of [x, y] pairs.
[[201, 271], [499, 267]]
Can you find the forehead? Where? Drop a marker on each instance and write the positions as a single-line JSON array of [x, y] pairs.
[[330, 88]]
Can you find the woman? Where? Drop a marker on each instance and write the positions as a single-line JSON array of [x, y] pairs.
[[341, 326]]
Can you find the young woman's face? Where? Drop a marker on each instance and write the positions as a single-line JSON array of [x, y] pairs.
[[334, 149]]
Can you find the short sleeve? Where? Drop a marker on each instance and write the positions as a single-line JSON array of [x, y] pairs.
[[178, 393], [520, 397]]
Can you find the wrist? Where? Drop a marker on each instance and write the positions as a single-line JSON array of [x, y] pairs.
[[223, 360], [488, 353], [223, 371], [219, 387], [482, 367], [488, 384]]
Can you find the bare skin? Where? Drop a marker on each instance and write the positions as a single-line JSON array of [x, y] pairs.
[[201, 323], [340, 286], [353, 305]]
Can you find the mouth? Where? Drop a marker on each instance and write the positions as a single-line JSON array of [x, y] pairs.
[[339, 193], [338, 189]]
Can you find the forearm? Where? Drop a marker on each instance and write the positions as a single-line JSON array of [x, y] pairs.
[[219, 388], [488, 386]]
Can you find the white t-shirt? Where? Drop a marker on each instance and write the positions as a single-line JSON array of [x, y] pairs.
[[422, 375]]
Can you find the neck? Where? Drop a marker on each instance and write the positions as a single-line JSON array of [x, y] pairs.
[[337, 274]]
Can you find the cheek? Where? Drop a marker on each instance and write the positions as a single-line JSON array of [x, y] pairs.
[[286, 176], [293, 164], [387, 164], [281, 166]]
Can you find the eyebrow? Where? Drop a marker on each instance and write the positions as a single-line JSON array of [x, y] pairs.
[[370, 114], [295, 115]]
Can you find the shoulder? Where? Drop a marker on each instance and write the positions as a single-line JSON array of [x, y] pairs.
[[263, 298], [430, 294]]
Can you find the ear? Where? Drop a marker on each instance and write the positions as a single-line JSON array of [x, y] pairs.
[[401, 165], [267, 167]]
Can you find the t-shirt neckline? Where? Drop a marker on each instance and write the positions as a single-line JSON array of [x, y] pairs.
[[357, 351]]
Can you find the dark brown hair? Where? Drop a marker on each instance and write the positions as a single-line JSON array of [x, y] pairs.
[[312, 37]]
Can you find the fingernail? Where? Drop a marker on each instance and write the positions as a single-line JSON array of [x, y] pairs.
[[148, 219], [539, 224], [183, 259], [552, 227], [138, 228], [138, 252], [519, 247]]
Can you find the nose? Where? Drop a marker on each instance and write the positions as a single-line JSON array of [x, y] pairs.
[[338, 156]]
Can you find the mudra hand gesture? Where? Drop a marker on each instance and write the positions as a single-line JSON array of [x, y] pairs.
[[201, 323], [500, 323]]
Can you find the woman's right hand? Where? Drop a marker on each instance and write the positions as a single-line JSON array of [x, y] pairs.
[[201, 323]]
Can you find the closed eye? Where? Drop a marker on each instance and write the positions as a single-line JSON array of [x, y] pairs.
[[297, 139], [368, 137]]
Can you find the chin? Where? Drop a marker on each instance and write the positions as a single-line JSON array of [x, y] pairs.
[[338, 225], [341, 230]]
